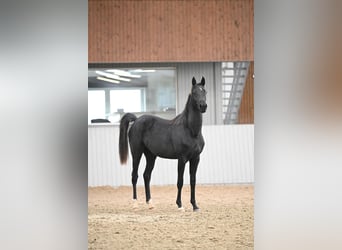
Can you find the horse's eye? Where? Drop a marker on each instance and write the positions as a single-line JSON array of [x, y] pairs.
[[203, 90]]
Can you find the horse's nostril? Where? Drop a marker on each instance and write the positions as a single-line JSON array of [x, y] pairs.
[[203, 107]]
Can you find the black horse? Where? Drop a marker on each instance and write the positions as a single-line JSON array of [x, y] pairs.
[[180, 138]]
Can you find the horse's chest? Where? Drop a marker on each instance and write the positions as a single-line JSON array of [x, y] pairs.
[[193, 147]]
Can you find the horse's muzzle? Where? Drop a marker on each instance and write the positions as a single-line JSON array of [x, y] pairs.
[[203, 107]]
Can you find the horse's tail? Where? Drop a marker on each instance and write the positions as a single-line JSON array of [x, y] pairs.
[[123, 142]]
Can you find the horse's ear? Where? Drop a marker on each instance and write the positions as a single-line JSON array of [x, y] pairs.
[[202, 81], [193, 81]]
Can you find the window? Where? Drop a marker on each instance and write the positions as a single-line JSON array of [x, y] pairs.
[[96, 104], [138, 91], [128, 100]]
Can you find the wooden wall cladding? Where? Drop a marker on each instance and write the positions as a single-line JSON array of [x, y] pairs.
[[170, 30], [246, 112]]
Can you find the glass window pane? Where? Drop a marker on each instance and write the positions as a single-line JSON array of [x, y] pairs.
[[125, 100], [96, 104], [136, 90]]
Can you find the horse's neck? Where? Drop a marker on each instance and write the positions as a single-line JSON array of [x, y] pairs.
[[193, 118]]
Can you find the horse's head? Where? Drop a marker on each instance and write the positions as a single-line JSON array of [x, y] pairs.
[[199, 95]]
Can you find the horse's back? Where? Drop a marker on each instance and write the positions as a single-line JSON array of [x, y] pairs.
[[149, 122]]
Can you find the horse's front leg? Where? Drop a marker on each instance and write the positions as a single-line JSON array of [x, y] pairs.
[[181, 166], [193, 169]]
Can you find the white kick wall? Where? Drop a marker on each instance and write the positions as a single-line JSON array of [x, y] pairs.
[[227, 158]]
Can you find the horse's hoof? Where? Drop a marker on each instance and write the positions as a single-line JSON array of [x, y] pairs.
[[135, 204], [197, 210], [181, 209], [150, 204]]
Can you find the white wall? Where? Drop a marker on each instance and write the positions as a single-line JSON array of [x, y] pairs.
[[228, 157]]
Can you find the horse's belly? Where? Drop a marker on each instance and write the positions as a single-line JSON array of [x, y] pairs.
[[185, 151], [160, 147], [164, 151], [167, 156]]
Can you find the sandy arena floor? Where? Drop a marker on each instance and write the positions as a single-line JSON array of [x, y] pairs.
[[224, 222]]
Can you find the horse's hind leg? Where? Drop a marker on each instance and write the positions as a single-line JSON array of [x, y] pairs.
[[136, 160], [150, 160]]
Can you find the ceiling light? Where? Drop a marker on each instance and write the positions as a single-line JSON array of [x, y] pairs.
[[122, 73], [107, 80], [109, 75]]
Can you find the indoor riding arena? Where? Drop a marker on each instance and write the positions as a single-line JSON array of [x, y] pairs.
[[142, 58]]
